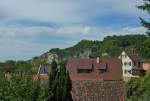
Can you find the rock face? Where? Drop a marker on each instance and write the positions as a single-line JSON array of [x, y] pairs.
[[51, 57], [98, 91]]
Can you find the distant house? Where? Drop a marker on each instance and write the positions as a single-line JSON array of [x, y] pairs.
[[132, 65], [96, 79], [43, 72], [8, 75]]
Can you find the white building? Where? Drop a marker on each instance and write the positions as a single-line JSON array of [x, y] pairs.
[[131, 65]]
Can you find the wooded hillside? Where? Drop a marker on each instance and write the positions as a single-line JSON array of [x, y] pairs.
[[110, 46]]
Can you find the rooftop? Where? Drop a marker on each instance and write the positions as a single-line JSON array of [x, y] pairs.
[[90, 69]]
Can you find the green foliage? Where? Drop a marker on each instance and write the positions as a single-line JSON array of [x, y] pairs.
[[111, 45], [145, 7], [133, 88], [22, 88], [36, 92], [22, 67], [139, 89], [17, 89], [145, 49], [59, 84], [84, 48]]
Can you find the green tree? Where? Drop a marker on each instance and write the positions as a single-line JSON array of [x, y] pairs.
[[67, 88], [36, 92], [139, 89], [17, 89], [52, 82], [145, 49], [145, 7], [59, 83]]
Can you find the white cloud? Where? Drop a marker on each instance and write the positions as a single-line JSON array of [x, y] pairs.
[[66, 11], [71, 16], [48, 10]]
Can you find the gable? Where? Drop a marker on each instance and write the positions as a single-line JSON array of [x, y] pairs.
[[124, 56]]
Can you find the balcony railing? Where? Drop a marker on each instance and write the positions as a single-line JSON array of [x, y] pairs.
[[138, 71]]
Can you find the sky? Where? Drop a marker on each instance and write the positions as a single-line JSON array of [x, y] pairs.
[[29, 28]]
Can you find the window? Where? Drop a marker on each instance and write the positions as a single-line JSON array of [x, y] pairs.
[[125, 71], [102, 71], [129, 63], [134, 64], [125, 63], [84, 70]]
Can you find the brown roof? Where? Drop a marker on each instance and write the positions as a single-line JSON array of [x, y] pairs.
[[134, 57], [113, 69], [85, 64]]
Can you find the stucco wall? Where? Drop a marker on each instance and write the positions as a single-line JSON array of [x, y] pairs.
[[146, 67], [98, 90], [127, 67]]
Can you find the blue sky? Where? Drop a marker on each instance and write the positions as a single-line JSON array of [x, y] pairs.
[[29, 28]]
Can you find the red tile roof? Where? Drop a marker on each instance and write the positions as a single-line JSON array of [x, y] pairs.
[[85, 64], [112, 67]]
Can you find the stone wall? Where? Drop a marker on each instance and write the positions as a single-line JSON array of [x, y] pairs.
[[98, 90]]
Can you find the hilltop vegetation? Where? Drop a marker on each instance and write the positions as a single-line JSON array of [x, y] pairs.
[[111, 46]]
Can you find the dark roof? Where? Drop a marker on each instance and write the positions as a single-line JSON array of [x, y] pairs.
[[42, 69], [133, 56], [113, 69], [138, 62]]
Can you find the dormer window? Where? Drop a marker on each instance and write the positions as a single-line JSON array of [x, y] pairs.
[[84, 70], [101, 71]]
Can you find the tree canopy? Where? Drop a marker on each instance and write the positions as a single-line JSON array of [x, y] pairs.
[[145, 7]]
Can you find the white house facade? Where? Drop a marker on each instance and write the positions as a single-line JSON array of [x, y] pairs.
[[131, 65]]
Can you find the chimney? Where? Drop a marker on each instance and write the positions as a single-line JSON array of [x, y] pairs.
[[98, 60]]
